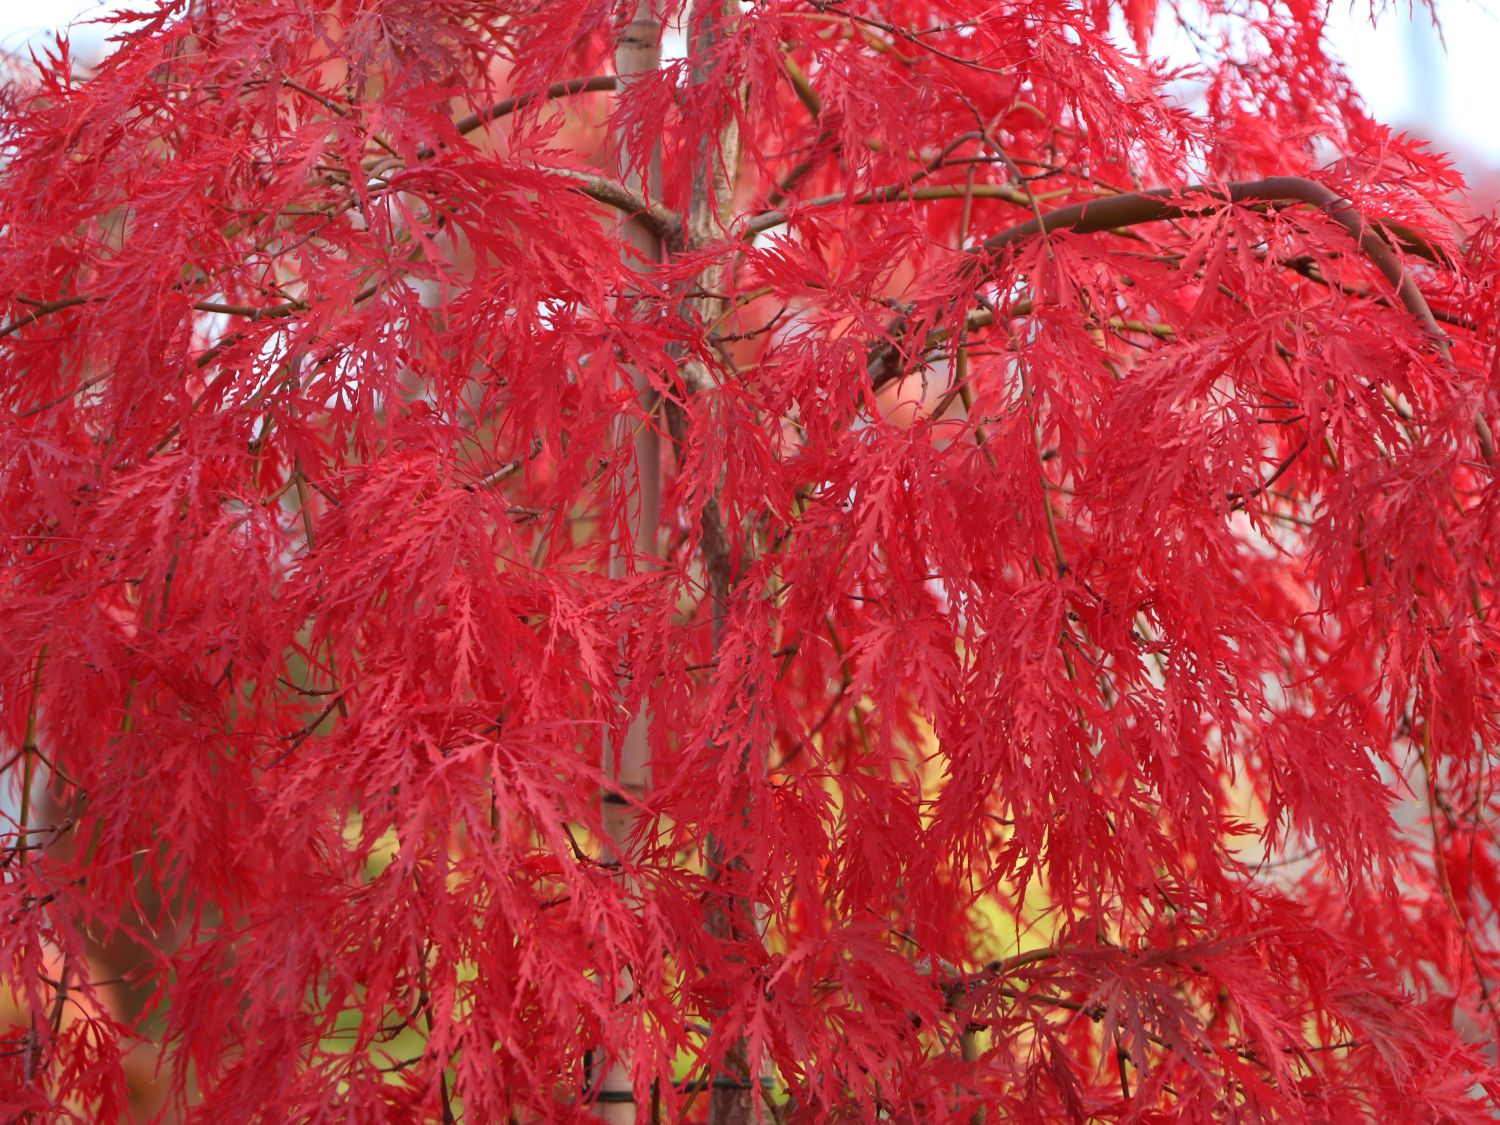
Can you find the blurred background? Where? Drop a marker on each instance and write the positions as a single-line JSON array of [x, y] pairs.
[[1439, 83]]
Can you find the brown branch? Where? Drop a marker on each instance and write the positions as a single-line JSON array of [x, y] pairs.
[[809, 98], [1122, 211], [660, 221], [254, 312], [914, 38], [336, 109], [62, 398], [1136, 208], [895, 193], [504, 108], [804, 87], [41, 309], [1307, 268], [1239, 500]]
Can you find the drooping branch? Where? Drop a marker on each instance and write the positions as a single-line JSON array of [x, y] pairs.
[[1121, 212], [1135, 208], [598, 83]]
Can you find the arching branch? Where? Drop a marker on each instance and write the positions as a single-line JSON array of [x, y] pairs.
[[1120, 212]]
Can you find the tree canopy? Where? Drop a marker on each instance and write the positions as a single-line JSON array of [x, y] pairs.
[[805, 560]]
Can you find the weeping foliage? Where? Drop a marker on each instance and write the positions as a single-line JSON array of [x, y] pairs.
[[1068, 647]]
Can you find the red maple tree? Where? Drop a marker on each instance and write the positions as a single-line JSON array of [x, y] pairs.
[[806, 560]]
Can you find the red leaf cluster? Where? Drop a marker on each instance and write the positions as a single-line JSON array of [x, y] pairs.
[[1066, 651]]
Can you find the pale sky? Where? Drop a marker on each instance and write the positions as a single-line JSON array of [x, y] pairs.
[[1446, 89], [1406, 75], [21, 21]]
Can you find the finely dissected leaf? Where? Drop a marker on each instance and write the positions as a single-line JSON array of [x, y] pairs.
[[883, 568]]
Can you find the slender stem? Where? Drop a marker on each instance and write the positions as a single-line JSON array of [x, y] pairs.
[[1445, 883], [894, 193], [299, 479], [598, 83], [34, 1038], [40, 310], [29, 747]]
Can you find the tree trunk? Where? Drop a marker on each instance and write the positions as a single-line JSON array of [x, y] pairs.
[[628, 762], [734, 1093]]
